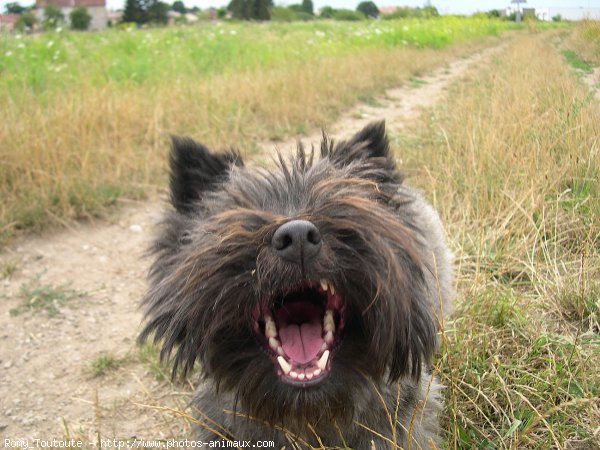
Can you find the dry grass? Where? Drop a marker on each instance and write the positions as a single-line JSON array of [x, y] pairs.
[[585, 40], [512, 161], [69, 155]]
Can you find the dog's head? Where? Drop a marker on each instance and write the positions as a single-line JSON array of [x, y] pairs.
[[294, 285]]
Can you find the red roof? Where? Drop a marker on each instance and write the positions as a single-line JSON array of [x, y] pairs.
[[69, 3]]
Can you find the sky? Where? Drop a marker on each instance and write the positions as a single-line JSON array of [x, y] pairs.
[[444, 6]]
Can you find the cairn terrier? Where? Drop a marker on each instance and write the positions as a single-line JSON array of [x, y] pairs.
[[310, 293]]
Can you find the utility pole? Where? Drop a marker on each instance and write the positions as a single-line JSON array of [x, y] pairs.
[[518, 2]]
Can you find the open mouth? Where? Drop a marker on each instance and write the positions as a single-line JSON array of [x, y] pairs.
[[301, 331]]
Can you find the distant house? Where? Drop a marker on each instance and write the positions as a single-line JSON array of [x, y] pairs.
[[388, 9], [7, 21], [96, 9], [114, 17], [191, 18], [173, 16], [526, 13]]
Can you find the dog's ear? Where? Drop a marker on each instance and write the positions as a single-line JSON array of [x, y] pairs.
[[370, 142], [371, 148], [373, 140], [195, 170]]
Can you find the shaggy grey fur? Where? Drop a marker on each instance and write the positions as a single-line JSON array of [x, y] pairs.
[[219, 275]]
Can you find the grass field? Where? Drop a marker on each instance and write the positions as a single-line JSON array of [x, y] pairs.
[[510, 158], [85, 117], [512, 161]]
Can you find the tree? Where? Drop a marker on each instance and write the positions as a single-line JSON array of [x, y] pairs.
[[133, 12], [307, 7], [14, 8], [53, 17], [430, 11], [157, 12], [281, 14], [251, 9], [237, 8], [368, 8], [178, 6], [80, 18], [348, 14]]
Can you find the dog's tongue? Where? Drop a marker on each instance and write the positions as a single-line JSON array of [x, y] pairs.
[[302, 340]]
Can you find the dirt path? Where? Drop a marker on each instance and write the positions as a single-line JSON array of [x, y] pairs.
[[47, 388]]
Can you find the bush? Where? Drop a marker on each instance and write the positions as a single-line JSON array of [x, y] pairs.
[[326, 12], [347, 14], [406, 11], [304, 16], [80, 18], [53, 17], [290, 14], [180, 20], [281, 14], [25, 22]]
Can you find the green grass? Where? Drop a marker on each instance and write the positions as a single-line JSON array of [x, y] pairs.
[[417, 82], [576, 62], [149, 355], [85, 117], [45, 297], [102, 364], [55, 61]]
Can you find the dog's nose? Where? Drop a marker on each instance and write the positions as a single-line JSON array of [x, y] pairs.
[[297, 241]]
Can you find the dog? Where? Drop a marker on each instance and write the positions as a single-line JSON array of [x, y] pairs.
[[311, 294]]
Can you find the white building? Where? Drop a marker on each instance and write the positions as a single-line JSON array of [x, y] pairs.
[[568, 13]]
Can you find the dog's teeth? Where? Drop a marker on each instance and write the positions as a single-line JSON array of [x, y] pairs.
[[309, 376], [323, 284], [322, 362], [280, 351], [324, 346], [328, 323], [274, 344], [327, 285], [301, 376], [317, 372], [285, 366], [293, 374], [329, 337], [270, 328]]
